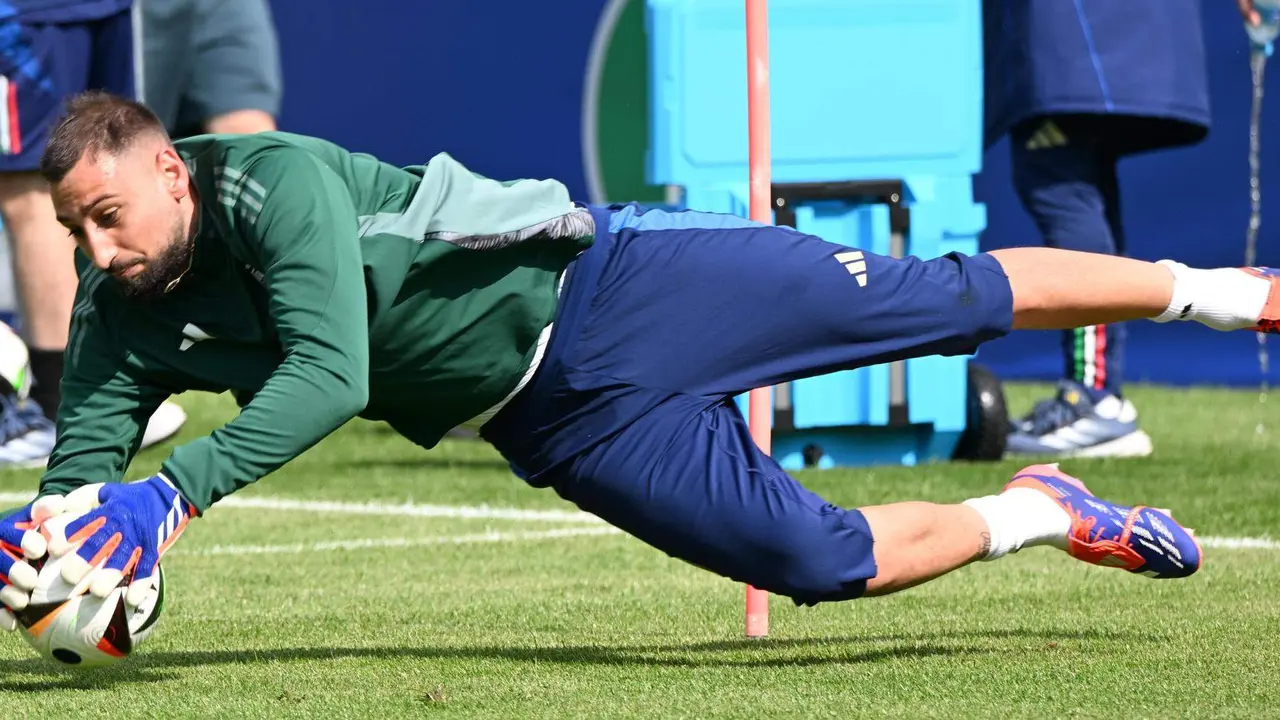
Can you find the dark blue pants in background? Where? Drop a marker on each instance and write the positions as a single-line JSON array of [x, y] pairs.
[[44, 63], [1064, 169]]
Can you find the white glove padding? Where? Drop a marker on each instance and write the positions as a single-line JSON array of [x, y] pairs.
[[21, 540]]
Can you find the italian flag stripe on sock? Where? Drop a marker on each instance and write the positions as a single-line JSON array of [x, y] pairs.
[[1090, 356]]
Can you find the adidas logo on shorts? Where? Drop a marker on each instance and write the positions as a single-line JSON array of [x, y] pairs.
[[855, 264]]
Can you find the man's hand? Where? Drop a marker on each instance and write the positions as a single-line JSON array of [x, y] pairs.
[[126, 530], [20, 541]]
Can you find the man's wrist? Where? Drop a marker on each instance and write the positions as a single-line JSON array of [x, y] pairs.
[[165, 477]]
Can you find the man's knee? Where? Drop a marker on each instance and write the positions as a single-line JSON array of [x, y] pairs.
[[825, 561], [973, 295]]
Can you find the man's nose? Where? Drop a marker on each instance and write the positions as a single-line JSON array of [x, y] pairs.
[[101, 250]]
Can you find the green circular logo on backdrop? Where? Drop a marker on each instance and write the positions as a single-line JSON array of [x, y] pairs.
[[615, 112]]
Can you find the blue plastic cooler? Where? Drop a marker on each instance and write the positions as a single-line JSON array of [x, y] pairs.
[[876, 118]]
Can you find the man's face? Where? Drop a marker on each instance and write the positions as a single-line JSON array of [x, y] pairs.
[[126, 214]]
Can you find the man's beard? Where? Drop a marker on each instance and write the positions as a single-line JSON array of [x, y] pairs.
[[161, 271]]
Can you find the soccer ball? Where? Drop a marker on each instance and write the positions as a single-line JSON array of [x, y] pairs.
[[66, 624]]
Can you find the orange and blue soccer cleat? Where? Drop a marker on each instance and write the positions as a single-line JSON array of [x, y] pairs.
[[1139, 539], [1270, 320]]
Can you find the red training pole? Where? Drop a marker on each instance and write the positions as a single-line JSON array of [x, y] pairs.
[[759, 400]]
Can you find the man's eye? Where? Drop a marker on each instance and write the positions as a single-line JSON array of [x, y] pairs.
[[108, 218]]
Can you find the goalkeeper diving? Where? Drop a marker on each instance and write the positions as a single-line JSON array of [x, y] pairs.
[[597, 348]]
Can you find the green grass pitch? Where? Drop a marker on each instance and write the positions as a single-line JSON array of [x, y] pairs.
[[351, 610]]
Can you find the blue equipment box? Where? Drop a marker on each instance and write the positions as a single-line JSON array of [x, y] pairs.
[[876, 115]]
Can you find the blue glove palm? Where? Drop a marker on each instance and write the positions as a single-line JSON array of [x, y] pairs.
[[127, 529]]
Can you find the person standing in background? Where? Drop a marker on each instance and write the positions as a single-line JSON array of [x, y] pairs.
[[211, 66], [1077, 86], [50, 50]]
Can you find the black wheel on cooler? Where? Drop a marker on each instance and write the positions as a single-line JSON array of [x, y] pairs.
[[986, 430]]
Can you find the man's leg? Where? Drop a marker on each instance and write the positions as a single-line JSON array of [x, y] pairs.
[[711, 305], [1041, 506], [45, 275], [1064, 169], [919, 541], [1054, 289], [687, 479], [44, 65], [40, 65]]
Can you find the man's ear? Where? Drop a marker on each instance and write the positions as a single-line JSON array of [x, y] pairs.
[[173, 172]]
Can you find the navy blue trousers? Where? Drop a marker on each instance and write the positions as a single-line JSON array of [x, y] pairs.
[[670, 315]]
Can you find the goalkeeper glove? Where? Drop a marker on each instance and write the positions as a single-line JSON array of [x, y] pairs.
[[127, 529]]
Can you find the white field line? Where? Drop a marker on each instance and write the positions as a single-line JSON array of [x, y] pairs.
[[465, 512], [468, 512], [1239, 543], [483, 512], [393, 542]]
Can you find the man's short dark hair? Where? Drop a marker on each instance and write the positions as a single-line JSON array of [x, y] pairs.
[[95, 122]]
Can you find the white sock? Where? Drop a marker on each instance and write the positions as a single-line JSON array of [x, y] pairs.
[[1022, 517], [1223, 299]]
